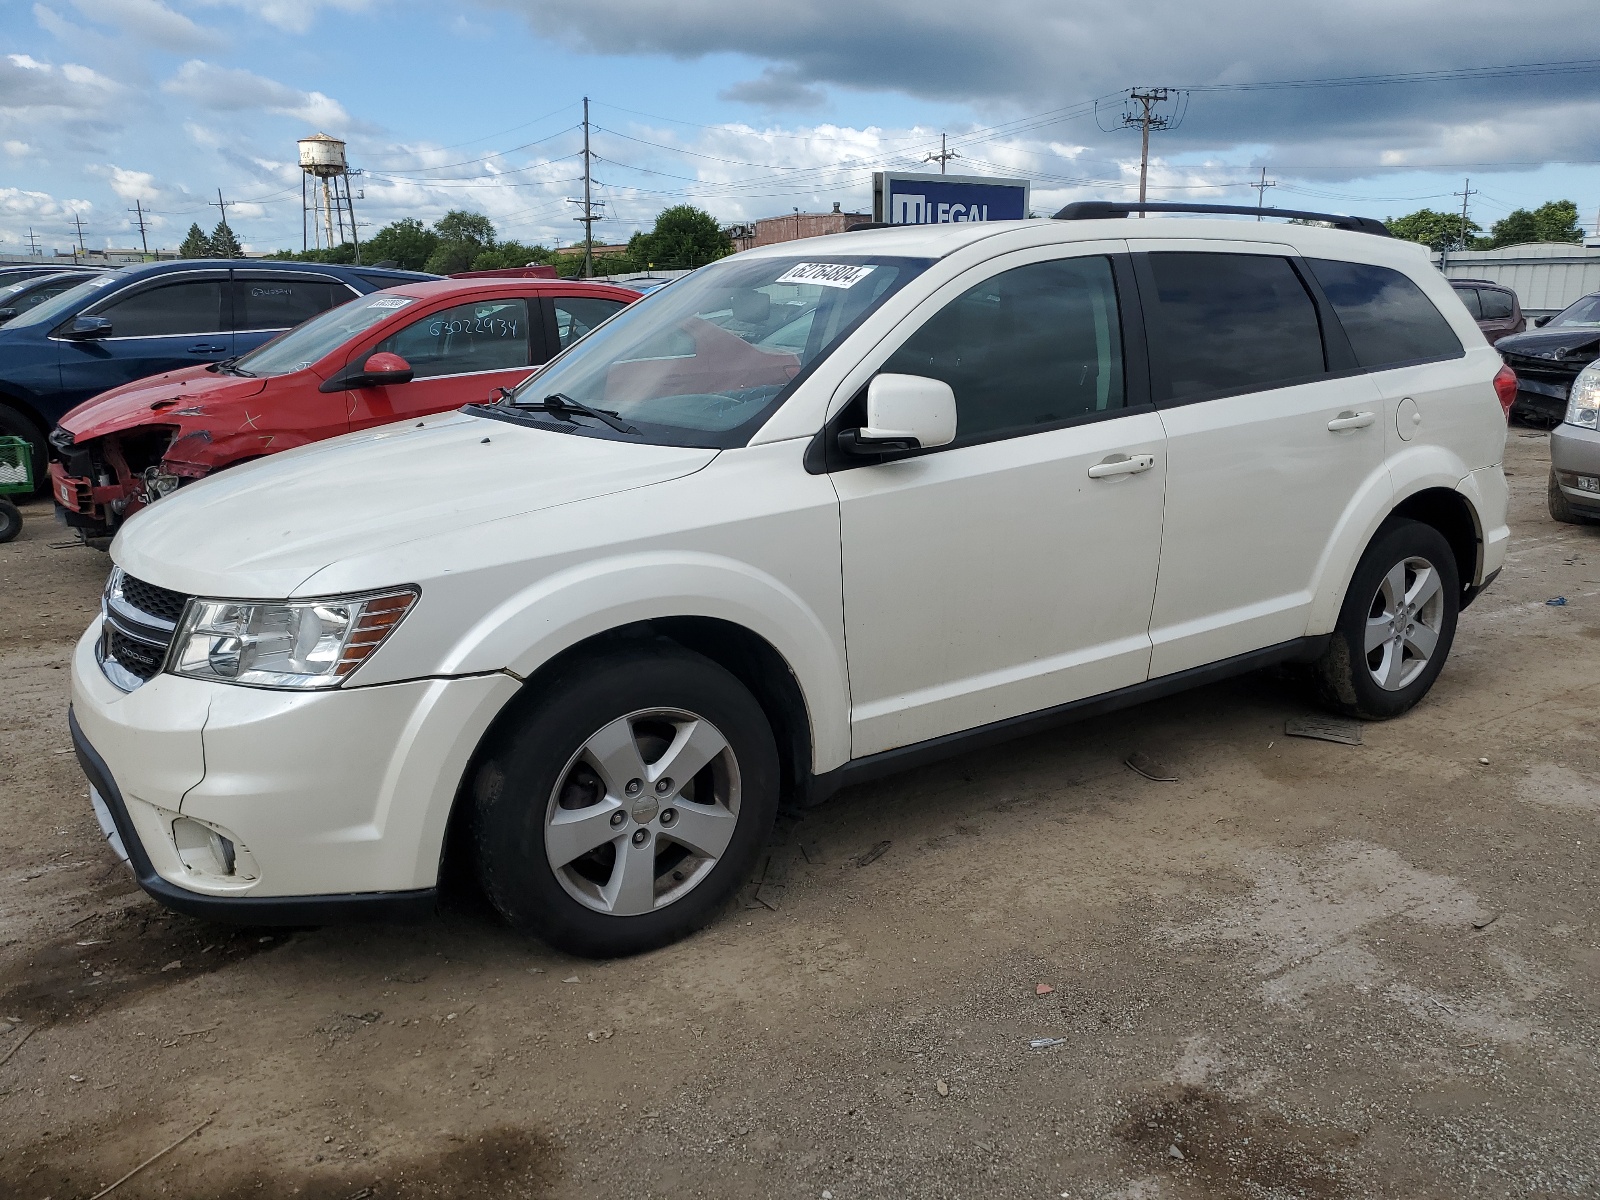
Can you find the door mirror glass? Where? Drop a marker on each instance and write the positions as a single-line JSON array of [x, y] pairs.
[[385, 370], [7, 313], [85, 329], [905, 412]]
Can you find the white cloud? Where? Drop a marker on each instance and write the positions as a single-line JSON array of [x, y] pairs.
[[224, 89], [17, 149], [152, 22], [291, 16]]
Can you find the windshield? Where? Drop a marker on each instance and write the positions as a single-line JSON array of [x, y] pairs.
[[321, 335], [52, 310], [700, 363], [1583, 314]]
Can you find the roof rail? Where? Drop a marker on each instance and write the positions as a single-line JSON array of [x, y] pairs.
[[1095, 210]]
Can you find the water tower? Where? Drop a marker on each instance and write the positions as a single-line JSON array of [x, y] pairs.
[[322, 160]]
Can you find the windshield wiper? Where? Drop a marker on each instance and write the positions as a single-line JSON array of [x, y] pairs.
[[227, 365], [559, 403]]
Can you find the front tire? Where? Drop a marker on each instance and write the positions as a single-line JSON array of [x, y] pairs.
[[626, 804], [1560, 508], [1396, 626]]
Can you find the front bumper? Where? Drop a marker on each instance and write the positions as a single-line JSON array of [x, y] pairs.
[[1575, 460], [320, 806]]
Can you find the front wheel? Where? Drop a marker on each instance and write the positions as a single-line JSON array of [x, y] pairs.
[[1560, 507], [1396, 626], [622, 810]]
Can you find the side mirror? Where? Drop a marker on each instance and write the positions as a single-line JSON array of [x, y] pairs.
[[7, 313], [87, 329], [904, 412], [1540, 322], [382, 370]]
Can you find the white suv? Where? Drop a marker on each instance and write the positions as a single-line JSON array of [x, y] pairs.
[[815, 512]]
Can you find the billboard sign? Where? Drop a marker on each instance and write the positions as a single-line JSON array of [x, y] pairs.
[[905, 199]]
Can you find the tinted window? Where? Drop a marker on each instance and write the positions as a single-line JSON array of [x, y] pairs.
[[1228, 323], [1473, 300], [1030, 347], [1388, 319], [283, 301], [1497, 306], [491, 335], [577, 315], [173, 308]]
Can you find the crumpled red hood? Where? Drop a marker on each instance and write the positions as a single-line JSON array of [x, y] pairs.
[[128, 406]]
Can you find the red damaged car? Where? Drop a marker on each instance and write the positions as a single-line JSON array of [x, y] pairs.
[[406, 352]]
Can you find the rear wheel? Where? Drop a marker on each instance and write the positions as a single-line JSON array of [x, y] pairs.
[[622, 810], [1397, 624], [10, 520]]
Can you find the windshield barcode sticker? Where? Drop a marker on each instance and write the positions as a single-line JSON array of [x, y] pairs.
[[837, 275], [390, 302]]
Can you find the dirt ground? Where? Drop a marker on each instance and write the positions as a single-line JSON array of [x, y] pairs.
[[1302, 969]]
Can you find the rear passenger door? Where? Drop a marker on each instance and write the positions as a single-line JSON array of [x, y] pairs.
[[1271, 435], [458, 355], [266, 304]]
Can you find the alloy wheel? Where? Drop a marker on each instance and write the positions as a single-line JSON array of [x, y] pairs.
[[1403, 623]]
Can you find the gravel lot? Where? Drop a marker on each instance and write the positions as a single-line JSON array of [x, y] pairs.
[[1302, 969]]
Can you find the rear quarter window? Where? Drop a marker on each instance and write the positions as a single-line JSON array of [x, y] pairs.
[[1388, 319]]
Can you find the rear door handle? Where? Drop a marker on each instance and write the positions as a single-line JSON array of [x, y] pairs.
[[1351, 420], [206, 348], [1122, 464]]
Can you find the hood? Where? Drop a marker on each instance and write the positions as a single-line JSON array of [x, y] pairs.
[[156, 401], [1559, 343], [262, 529]]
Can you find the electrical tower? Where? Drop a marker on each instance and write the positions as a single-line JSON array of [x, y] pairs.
[[589, 205], [138, 210], [1147, 119], [1261, 190], [33, 241], [943, 156]]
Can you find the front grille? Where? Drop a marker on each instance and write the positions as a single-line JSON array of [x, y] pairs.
[[137, 657], [157, 601]]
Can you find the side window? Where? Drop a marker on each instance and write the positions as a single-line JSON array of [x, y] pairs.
[[174, 308], [1221, 324], [1473, 299], [1497, 306], [577, 315], [1387, 317], [1029, 348], [283, 301], [490, 335]]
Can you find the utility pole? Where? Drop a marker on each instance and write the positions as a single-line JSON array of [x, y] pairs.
[[77, 219], [588, 217], [943, 156], [33, 241], [1261, 190], [222, 205], [1146, 119], [797, 224], [1466, 193], [138, 211]]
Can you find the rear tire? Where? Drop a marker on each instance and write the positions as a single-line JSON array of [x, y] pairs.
[[10, 520], [14, 423], [1560, 508], [588, 833], [1396, 626]]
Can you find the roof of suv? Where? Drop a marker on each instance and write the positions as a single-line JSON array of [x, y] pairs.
[[338, 270]]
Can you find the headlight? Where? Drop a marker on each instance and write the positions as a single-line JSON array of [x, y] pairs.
[[294, 644], [1583, 402]]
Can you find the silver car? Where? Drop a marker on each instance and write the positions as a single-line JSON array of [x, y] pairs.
[[1574, 493]]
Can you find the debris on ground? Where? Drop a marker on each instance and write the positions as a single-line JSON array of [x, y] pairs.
[[1046, 1043], [942, 1088], [1143, 764], [1324, 729], [873, 855], [1556, 602], [1485, 922], [1174, 1152], [1044, 989]]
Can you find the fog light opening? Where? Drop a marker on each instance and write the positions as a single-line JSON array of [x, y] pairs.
[[206, 850]]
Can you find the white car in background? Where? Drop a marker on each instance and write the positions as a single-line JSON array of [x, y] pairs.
[[815, 512]]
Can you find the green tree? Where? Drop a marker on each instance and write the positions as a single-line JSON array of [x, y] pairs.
[[1437, 230], [684, 237], [510, 254], [407, 243], [462, 237], [195, 244], [1554, 221], [223, 244]]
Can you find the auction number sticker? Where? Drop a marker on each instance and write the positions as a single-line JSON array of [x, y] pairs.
[[391, 302], [839, 275]]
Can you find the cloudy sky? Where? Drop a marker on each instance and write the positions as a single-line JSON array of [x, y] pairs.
[[750, 110]]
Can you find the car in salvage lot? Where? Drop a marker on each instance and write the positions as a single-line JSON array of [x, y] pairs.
[[397, 354], [811, 514], [1548, 359]]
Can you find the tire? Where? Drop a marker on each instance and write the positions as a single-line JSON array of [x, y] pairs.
[[1560, 508], [10, 520], [1408, 570], [602, 736], [14, 423]]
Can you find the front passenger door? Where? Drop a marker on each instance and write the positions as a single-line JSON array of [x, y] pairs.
[[1012, 570]]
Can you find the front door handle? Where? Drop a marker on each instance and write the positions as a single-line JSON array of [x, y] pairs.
[[206, 348], [1351, 420], [1122, 464]]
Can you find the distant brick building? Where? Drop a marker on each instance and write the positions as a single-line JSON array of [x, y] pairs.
[[769, 231]]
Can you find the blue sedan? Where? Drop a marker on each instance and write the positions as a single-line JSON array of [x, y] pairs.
[[153, 317]]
